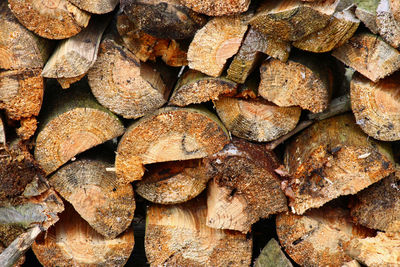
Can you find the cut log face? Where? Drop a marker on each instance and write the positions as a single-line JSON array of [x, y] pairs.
[[96, 195], [291, 20], [332, 158], [50, 19], [71, 123], [167, 135], [73, 242], [217, 7], [124, 85], [302, 81], [381, 250], [195, 87], [20, 48], [163, 18], [213, 44], [173, 182], [376, 106], [366, 12], [256, 119], [315, 238], [378, 206], [388, 26], [395, 7], [96, 6], [272, 256], [244, 188], [178, 236], [369, 55]]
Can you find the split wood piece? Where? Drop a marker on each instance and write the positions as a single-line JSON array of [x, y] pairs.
[[72, 122], [14, 260], [378, 206], [292, 20], [272, 256], [256, 119], [124, 85], [215, 43], [315, 238], [381, 250], [366, 12], [96, 195], [395, 7], [388, 26], [250, 54], [50, 19], [28, 127], [21, 92], [74, 57], [376, 106], [304, 80], [333, 158], [173, 182], [369, 55], [96, 6], [178, 236], [245, 187], [170, 52], [20, 48], [194, 87], [163, 18], [338, 31], [73, 242], [217, 7], [168, 134]]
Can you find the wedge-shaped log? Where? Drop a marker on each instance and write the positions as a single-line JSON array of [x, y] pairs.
[[244, 186], [96, 6], [50, 19], [169, 134], [332, 158], [217, 7], [366, 12], [178, 236]]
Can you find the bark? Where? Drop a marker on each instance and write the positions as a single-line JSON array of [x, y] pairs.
[[217, 7], [388, 26]]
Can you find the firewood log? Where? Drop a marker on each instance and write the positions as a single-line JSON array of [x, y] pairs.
[[173, 182], [366, 12], [96, 6], [217, 7], [168, 134], [272, 256], [213, 44], [376, 106], [244, 186], [331, 158], [20, 48], [163, 18], [395, 7], [177, 235], [50, 19], [72, 122], [194, 87], [96, 195], [73, 242], [369, 55], [388, 26], [256, 119]]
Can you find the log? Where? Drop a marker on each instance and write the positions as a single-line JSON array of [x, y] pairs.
[[163, 18], [217, 7], [291, 20], [173, 182], [272, 256], [244, 186], [194, 87], [376, 106], [304, 80], [366, 12], [213, 44], [20, 48], [178, 236], [369, 55], [256, 119], [168, 134], [378, 206], [96, 6], [96, 195], [73, 241], [388, 26], [71, 122], [395, 7], [332, 158], [124, 85], [50, 19], [315, 238]]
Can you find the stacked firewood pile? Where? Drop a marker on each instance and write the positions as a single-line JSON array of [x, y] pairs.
[[194, 120]]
